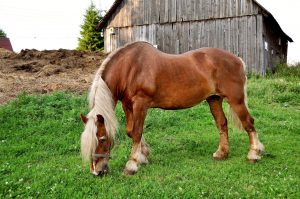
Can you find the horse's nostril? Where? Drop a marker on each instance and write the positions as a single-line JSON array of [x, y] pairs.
[[105, 168]]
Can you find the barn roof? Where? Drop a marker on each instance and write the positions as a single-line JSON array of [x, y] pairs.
[[109, 13], [5, 43], [269, 15], [117, 3]]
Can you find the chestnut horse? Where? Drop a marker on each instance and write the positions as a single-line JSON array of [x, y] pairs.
[[142, 77]]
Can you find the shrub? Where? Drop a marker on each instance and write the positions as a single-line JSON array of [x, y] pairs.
[[284, 70]]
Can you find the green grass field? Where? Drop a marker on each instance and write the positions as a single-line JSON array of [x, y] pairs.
[[40, 144]]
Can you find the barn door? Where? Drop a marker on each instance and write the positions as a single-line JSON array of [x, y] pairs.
[[113, 42]]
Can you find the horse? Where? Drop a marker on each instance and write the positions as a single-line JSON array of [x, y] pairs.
[[142, 77]]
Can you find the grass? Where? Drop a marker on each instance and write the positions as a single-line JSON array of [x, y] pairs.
[[39, 149]]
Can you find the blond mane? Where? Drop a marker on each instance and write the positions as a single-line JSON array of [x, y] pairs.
[[100, 102]]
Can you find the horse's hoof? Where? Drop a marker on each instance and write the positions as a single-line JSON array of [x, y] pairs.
[[129, 172], [131, 167], [253, 161], [254, 156], [220, 156]]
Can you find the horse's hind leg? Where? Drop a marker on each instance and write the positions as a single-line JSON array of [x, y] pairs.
[[215, 104], [135, 120], [256, 147]]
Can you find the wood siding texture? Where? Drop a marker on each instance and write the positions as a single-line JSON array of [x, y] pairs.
[[177, 26], [237, 35], [145, 12]]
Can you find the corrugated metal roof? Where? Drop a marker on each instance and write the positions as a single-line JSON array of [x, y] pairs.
[[117, 3]]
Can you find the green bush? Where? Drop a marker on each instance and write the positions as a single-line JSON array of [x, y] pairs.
[[284, 70]]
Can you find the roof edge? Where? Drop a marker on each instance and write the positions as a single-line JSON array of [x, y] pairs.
[[109, 13], [266, 12]]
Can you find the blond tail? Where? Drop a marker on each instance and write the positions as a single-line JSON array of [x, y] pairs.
[[232, 116]]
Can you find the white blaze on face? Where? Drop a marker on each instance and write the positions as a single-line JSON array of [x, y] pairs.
[[94, 169]]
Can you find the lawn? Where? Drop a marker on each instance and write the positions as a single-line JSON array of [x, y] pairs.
[[40, 144]]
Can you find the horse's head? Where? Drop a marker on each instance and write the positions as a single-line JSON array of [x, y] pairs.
[[96, 144]]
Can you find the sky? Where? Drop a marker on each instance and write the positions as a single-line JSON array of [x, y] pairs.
[[54, 24]]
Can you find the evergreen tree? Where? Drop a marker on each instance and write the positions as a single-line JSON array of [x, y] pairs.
[[2, 33], [91, 39]]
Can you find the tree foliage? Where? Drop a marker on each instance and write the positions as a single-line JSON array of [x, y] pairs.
[[2, 33], [91, 39]]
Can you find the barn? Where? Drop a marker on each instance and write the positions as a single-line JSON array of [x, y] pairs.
[[5, 43], [243, 27]]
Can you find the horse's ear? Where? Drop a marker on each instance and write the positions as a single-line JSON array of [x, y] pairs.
[[83, 118], [100, 119]]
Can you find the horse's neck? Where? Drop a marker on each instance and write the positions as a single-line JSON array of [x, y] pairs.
[[116, 72], [112, 79]]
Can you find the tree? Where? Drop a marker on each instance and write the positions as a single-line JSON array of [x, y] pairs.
[[2, 33], [91, 39]]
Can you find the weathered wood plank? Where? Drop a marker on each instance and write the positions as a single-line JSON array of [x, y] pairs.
[[162, 11], [159, 36], [140, 12], [196, 10], [146, 12], [172, 10], [234, 36], [189, 8], [260, 44], [168, 38], [155, 9], [191, 37], [178, 11], [125, 13], [166, 12], [184, 9], [185, 38], [175, 38], [214, 9]]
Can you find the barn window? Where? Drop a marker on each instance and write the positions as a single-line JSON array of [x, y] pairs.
[[279, 41], [112, 31], [266, 46]]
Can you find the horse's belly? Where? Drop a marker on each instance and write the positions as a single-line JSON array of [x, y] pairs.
[[181, 98]]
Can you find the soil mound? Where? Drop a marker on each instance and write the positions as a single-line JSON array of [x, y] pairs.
[[34, 71]]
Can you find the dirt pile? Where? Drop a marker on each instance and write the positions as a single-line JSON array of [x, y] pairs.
[[33, 71]]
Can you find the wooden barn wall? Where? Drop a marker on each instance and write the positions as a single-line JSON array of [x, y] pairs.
[[241, 36], [276, 51], [145, 12]]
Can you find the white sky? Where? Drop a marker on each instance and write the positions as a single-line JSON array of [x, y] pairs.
[[54, 24]]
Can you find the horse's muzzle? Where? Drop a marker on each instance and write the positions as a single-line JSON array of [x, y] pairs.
[[104, 170]]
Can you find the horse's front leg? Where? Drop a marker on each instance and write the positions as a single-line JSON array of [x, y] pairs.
[[135, 117]]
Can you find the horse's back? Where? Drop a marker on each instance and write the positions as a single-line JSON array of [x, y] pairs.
[[229, 71], [179, 81], [173, 81]]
